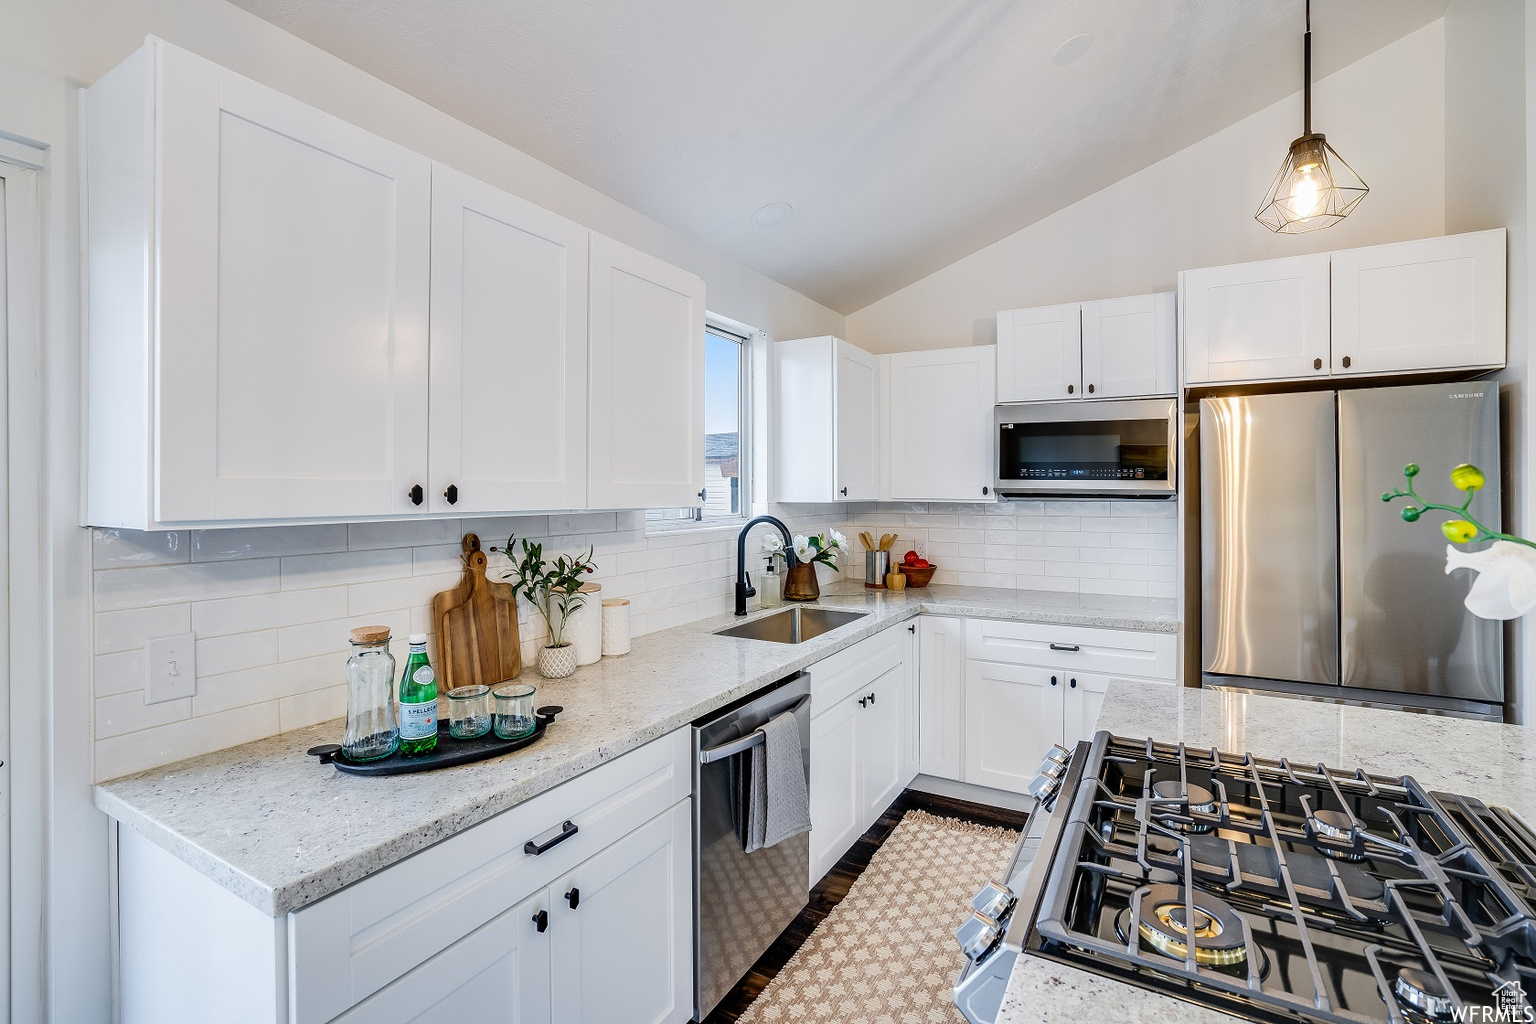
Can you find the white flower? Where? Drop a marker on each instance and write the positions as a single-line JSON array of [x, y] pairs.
[[1505, 587], [773, 544], [838, 540], [803, 550]]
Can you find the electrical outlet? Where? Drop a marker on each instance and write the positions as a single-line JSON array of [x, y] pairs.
[[170, 667]]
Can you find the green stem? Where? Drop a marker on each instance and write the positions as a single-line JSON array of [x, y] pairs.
[[1483, 533]]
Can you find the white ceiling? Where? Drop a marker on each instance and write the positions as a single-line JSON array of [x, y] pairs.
[[904, 133]]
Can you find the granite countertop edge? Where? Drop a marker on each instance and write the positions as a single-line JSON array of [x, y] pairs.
[[176, 807]]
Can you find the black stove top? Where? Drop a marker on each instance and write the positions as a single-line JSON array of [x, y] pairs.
[[1284, 892]]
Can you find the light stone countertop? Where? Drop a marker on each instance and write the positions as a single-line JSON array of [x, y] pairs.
[[279, 830], [1495, 763]]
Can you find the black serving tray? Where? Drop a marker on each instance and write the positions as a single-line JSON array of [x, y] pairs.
[[448, 752]]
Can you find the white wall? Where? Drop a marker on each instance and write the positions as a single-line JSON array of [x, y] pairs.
[[1486, 186], [1385, 114], [47, 50]]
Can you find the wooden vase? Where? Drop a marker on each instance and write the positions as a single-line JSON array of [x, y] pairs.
[[800, 582]]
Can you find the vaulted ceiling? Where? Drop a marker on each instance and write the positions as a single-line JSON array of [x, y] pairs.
[[903, 134]]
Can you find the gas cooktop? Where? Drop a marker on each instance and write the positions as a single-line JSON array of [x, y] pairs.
[[1284, 892]]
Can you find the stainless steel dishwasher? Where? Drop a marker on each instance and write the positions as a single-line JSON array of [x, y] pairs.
[[741, 901]]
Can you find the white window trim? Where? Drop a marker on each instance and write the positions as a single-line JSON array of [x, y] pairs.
[[754, 346]]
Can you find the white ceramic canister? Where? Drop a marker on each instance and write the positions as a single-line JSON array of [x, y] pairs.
[[615, 627], [584, 626]]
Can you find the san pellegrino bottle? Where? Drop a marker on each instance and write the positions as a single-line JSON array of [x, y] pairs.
[[418, 701]]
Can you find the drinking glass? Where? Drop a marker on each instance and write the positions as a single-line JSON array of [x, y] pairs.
[[469, 711], [514, 710]]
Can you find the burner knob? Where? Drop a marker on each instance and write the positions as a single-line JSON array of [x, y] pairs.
[[978, 935], [994, 900], [1044, 786]]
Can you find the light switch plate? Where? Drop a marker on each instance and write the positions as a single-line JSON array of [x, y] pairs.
[[170, 667]]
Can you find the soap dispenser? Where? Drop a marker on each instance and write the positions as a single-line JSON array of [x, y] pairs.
[[769, 585]]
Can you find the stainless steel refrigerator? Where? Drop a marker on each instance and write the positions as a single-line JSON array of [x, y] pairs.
[[1310, 582]]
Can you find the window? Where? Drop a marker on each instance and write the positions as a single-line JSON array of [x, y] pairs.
[[727, 365]]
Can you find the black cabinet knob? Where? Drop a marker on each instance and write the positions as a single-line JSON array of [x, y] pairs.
[[985, 490], [1317, 364], [416, 494], [573, 897], [702, 494], [871, 698], [863, 702], [1071, 388], [1053, 680], [843, 492], [1346, 362], [912, 629], [1072, 683], [1090, 389], [452, 494], [541, 920]]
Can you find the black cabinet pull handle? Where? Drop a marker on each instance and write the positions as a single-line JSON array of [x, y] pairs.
[[1317, 364], [573, 897], [1072, 683], [843, 492], [1090, 389], [1053, 680], [452, 494], [534, 847], [416, 494], [1346, 362], [1071, 388], [541, 921], [1074, 648]]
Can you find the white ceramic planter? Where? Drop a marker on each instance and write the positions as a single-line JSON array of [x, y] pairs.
[[557, 662]]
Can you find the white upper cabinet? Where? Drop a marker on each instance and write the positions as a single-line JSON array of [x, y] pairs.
[[828, 421], [1039, 354], [1130, 347], [1256, 321], [941, 424], [1434, 303], [258, 307], [646, 417], [509, 352]]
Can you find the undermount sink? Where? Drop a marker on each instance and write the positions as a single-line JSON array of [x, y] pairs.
[[793, 625]]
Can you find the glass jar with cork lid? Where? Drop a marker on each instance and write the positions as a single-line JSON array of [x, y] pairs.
[[371, 731]]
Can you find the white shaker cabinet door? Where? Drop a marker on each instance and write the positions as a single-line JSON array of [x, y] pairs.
[[1013, 713], [836, 799], [509, 352], [1082, 700], [882, 718], [941, 424], [1039, 354], [293, 268], [941, 674], [856, 424], [646, 330], [497, 974], [1257, 321], [1433, 303], [1130, 347]]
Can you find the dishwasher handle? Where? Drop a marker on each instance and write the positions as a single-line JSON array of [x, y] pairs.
[[746, 742]]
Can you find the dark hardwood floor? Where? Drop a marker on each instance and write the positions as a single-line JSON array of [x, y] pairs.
[[829, 892]]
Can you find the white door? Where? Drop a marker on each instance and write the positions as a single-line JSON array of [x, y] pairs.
[[497, 974], [646, 417], [621, 929], [1039, 354], [941, 672], [509, 352], [1084, 697], [1429, 304], [1130, 347], [941, 424], [1013, 713], [882, 733], [856, 408], [293, 287], [835, 794], [1257, 321]]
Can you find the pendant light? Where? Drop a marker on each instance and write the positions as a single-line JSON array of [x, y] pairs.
[[1315, 187]]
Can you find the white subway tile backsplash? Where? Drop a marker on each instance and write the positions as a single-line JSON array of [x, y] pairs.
[[272, 607]]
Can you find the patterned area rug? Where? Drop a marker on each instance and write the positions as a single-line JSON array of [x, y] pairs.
[[886, 954]]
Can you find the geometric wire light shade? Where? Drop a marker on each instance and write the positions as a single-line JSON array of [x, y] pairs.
[[1315, 187]]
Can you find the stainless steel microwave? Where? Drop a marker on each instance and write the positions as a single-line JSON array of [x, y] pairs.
[[1088, 449]]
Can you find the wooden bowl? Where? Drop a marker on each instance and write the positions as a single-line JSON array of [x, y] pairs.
[[917, 577]]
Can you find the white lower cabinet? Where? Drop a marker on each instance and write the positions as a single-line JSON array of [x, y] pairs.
[[863, 744], [996, 695]]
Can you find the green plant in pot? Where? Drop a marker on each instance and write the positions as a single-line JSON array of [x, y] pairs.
[[554, 590]]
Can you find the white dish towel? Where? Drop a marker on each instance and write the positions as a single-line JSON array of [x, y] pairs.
[[778, 805]]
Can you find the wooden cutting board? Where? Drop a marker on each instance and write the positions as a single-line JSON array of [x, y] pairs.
[[477, 638]]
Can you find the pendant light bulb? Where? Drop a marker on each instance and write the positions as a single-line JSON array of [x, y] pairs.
[[1315, 187]]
